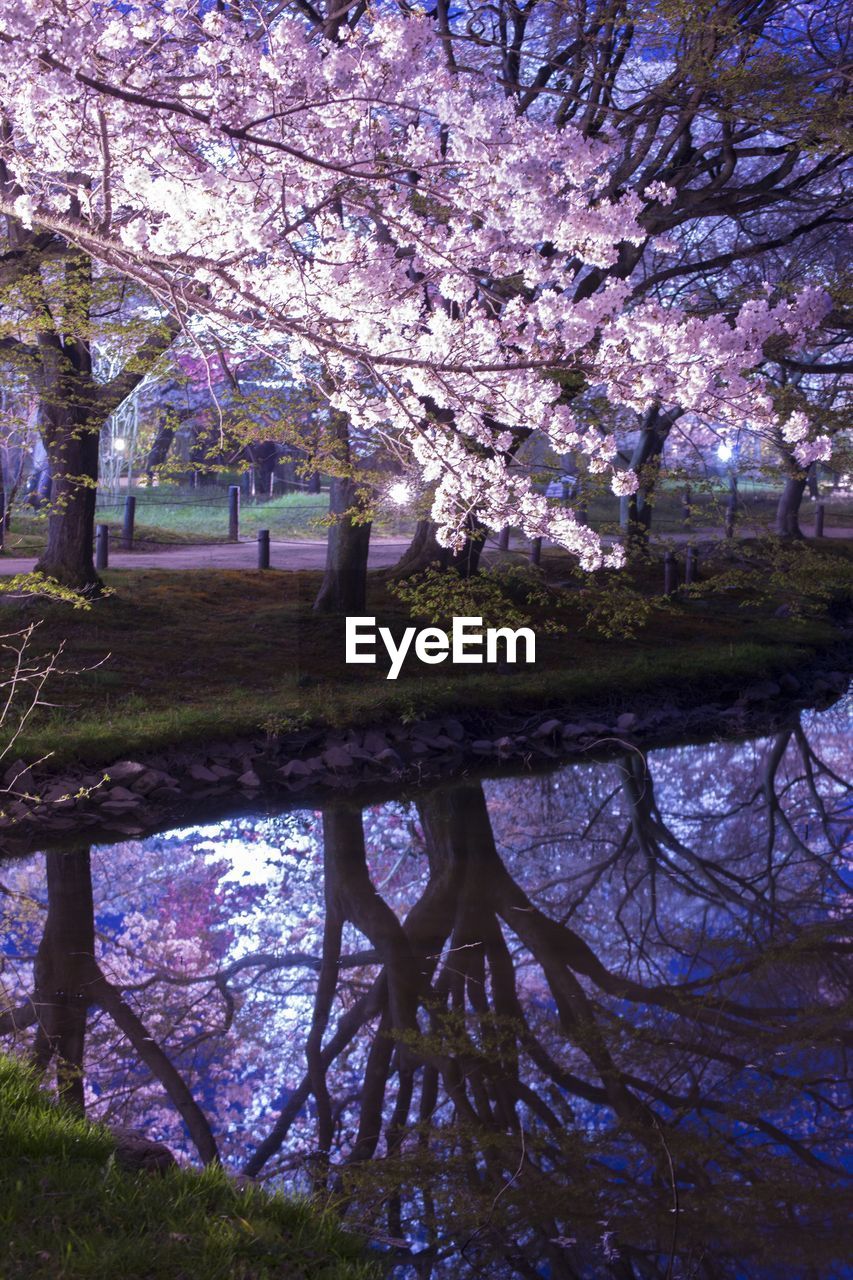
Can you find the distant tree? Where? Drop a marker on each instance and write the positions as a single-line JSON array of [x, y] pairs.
[[54, 306]]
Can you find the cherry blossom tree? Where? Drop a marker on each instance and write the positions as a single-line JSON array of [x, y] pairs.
[[357, 200], [740, 115]]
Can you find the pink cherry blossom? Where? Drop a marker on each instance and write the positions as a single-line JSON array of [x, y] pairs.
[[374, 218]]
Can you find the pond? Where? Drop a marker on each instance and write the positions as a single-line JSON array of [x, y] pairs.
[[588, 1023]]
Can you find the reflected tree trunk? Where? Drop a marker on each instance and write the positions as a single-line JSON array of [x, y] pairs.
[[67, 982], [354, 897], [64, 972], [558, 950]]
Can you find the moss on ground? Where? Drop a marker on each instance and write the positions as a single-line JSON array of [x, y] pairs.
[[210, 655], [67, 1211]]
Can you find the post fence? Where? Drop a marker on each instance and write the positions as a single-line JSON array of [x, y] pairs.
[[731, 506], [691, 566], [820, 512], [102, 546], [670, 574], [129, 522]]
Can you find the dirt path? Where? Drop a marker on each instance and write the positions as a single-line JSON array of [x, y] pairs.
[[298, 554]]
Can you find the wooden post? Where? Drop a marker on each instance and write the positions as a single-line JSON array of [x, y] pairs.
[[233, 513], [691, 566], [102, 546], [129, 522], [263, 548], [536, 551], [503, 539], [731, 506], [670, 574], [820, 512], [687, 505]]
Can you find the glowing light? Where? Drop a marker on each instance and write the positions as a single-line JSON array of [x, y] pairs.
[[724, 452], [400, 493], [119, 446]]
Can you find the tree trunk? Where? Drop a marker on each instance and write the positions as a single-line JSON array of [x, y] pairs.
[[467, 561], [72, 404], [12, 457], [635, 514], [159, 451], [263, 455], [788, 509], [421, 552], [344, 587], [424, 550], [72, 448]]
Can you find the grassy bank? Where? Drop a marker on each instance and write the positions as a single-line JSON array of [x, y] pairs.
[[203, 513], [184, 517], [757, 502], [67, 1211], [207, 655], [177, 516], [28, 536]]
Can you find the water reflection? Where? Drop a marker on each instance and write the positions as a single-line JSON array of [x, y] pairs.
[[584, 1025]]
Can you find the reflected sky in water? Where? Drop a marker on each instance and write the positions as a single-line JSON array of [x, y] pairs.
[[583, 1024]]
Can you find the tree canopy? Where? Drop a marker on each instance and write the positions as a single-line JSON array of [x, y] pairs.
[[432, 228]]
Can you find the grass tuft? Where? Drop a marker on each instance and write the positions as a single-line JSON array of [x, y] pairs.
[[67, 1212]]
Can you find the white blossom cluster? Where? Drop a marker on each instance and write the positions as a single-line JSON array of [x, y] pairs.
[[362, 208]]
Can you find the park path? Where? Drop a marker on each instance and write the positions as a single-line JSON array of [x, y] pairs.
[[300, 553], [296, 554]]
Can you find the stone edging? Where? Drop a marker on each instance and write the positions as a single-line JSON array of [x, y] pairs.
[[132, 798]]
